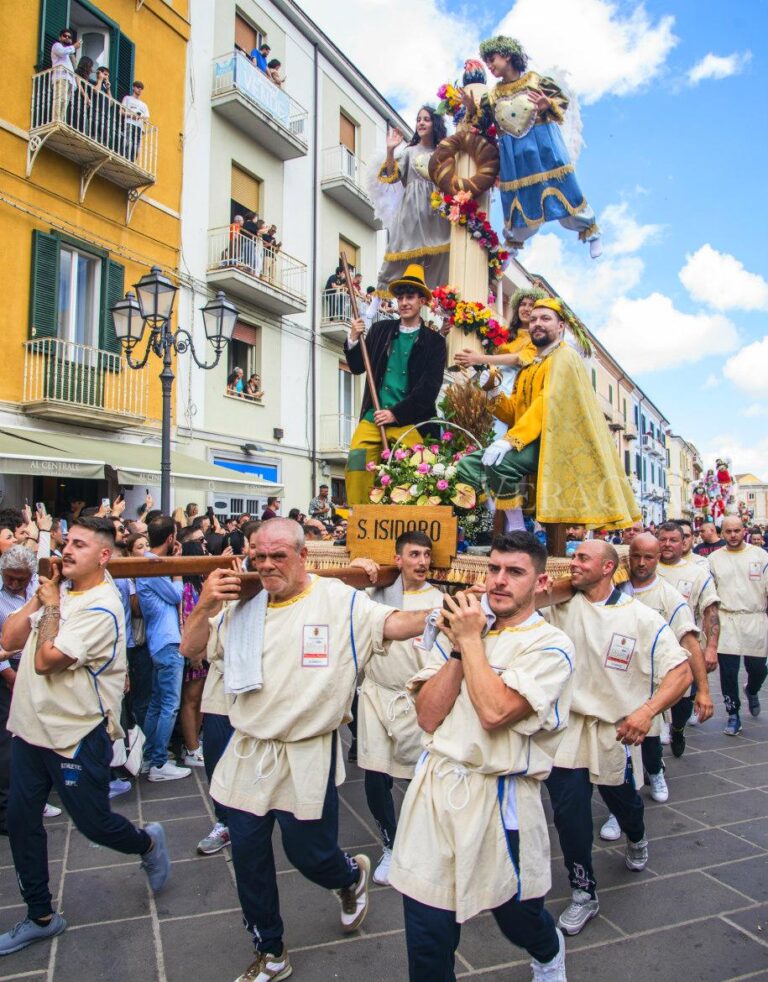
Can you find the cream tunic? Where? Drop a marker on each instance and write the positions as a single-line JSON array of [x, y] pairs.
[[388, 734], [662, 597], [695, 582], [741, 576], [56, 711], [214, 699], [622, 653], [280, 753], [451, 849]]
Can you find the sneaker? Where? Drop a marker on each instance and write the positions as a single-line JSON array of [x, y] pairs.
[[611, 830], [381, 873], [694, 720], [553, 971], [51, 811], [118, 787], [267, 968], [664, 735], [636, 856], [354, 899], [658, 786], [352, 752], [168, 772], [733, 726], [26, 932], [753, 702], [193, 758], [677, 743], [578, 913], [215, 841], [156, 863]]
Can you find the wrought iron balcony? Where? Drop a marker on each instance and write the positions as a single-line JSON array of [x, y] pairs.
[[72, 118], [64, 380], [250, 100]]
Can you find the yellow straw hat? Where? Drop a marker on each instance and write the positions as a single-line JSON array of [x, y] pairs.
[[413, 278]]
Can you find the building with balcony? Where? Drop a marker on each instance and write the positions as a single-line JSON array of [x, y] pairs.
[[754, 494], [685, 471], [90, 202], [296, 157]]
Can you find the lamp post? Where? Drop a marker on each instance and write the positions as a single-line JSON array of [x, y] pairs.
[[153, 310]]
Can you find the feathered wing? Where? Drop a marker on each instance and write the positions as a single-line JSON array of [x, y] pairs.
[[386, 198], [571, 127]]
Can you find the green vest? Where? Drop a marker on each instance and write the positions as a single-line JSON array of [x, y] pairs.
[[394, 385]]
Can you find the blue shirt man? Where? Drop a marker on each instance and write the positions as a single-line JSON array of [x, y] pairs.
[[259, 56]]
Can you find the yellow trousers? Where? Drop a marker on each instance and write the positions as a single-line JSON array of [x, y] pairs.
[[365, 447]]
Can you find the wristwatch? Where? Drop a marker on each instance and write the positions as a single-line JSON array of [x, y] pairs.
[[456, 654]]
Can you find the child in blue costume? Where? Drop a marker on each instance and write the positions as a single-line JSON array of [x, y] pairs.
[[537, 179]]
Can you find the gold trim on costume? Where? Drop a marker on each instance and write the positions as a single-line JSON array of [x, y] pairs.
[[392, 178], [294, 600], [536, 222], [516, 502], [557, 174], [587, 233], [393, 257], [510, 88]]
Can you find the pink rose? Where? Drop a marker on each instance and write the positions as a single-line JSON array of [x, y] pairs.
[[418, 447], [435, 448], [447, 436], [371, 465], [442, 485], [386, 454], [401, 454], [423, 469], [470, 448], [385, 479]]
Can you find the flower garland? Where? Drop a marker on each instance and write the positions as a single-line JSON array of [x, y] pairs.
[[422, 475], [472, 317], [462, 209]]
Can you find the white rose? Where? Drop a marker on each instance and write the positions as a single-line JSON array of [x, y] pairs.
[[413, 490], [438, 470], [450, 471]]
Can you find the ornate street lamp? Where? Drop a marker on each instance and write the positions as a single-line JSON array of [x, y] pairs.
[[153, 310]]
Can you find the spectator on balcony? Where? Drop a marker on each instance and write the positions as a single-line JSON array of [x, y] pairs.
[[251, 244], [259, 57], [83, 100], [273, 73], [63, 54], [134, 120], [336, 280], [235, 384], [251, 223], [253, 387], [232, 255], [271, 249]]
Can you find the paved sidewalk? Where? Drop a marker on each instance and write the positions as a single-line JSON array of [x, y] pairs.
[[699, 912]]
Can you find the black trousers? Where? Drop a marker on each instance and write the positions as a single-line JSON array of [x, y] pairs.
[[5, 755], [83, 786], [729, 678], [216, 733], [432, 934], [570, 792], [378, 794], [651, 751]]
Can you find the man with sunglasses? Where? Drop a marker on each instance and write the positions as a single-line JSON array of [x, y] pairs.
[[63, 54]]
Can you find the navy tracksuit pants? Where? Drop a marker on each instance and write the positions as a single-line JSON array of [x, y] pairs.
[[378, 794], [570, 792], [82, 784], [216, 733], [311, 846]]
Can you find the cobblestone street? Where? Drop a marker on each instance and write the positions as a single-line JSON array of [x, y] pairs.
[[699, 912]]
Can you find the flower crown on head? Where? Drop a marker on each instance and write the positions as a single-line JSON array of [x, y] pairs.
[[500, 45]]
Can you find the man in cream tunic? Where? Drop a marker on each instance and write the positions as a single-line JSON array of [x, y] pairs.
[[472, 833], [629, 668], [741, 575], [685, 572], [388, 733], [283, 762]]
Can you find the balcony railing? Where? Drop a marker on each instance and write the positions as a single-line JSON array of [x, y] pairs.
[[67, 380], [261, 268], [344, 180], [90, 127], [341, 162], [336, 431], [336, 308], [235, 74]]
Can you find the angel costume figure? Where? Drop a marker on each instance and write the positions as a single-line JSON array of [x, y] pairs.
[[538, 183], [416, 232]]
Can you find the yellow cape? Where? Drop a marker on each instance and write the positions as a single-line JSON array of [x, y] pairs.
[[580, 476]]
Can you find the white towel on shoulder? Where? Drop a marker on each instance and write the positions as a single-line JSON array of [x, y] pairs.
[[245, 645]]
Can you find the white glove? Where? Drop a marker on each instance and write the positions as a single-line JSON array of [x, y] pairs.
[[495, 453], [489, 381]]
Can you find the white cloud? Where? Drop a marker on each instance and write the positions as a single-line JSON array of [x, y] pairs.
[[407, 48], [714, 66], [711, 382], [606, 47], [720, 280], [651, 334], [756, 409], [622, 233], [748, 369]]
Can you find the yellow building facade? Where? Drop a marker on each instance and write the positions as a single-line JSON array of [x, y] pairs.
[[89, 202]]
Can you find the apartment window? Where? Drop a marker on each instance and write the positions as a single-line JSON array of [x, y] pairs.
[[102, 40], [624, 409], [245, 193], [610, 394], [338, 491], [72, 288], [247, 37], [627, 463], [245, 351], [645, 470], [347, 133], [346, 391], [750, 496], [653, 474], [637, 465], [352, 252], [594, 379], [637, 413]]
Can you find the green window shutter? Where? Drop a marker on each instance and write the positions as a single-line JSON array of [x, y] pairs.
[[123, 70], [112, 284], [54, 17], [44, 286]]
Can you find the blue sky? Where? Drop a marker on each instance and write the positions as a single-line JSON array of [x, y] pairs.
[[673, 166]]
